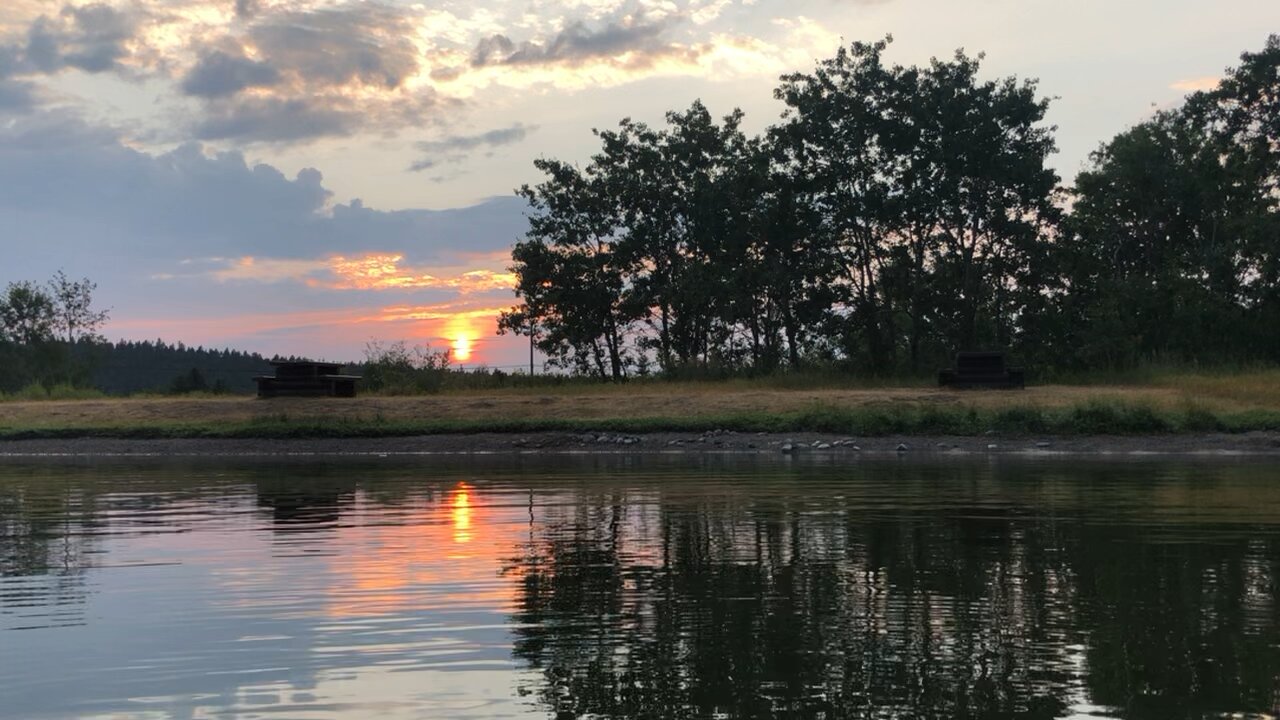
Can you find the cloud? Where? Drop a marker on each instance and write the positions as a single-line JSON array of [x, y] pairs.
[[455, 148], [16, 96], [219, 74], [370, 271], [384, 272], [276, 120], [284, 120], [10, 59], [94, 38], [1189, 85], [365, 43], [246, 9], [298, 75], [626, 42], [575, 43], [168, 235], [295, 71], [70, 185]]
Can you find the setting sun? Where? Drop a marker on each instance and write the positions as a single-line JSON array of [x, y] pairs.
[[461, 348], [462, 333]]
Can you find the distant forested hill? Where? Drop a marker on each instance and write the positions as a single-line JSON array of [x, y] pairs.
[[129, 367]]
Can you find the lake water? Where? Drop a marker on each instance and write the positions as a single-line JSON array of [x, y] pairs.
[[639, 587]]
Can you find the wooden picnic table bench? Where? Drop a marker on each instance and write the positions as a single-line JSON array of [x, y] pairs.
[[981, 370], [306, 379]]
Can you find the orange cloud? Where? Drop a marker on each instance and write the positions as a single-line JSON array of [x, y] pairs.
[[373, 271], [382, 272]]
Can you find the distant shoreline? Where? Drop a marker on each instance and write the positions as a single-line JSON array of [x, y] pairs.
[[802, 445]]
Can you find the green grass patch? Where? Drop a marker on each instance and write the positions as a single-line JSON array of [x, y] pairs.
[[59, 391]]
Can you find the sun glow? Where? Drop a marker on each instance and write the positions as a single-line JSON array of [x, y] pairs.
[[461, 348], [461, 332]]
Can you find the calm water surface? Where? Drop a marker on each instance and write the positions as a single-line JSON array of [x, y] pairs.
[[639, 587]]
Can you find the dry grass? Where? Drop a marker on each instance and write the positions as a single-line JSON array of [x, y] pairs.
[[1256, 390], [679, 400], [1168, 401]]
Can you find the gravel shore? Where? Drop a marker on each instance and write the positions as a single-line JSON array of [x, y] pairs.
[[1256, 443]]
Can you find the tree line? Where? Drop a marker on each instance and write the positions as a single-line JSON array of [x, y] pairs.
[[41, 327], [898, 214], [128, 366], [50, 337]]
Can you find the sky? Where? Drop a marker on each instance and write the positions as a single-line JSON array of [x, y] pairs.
[[304, 176]]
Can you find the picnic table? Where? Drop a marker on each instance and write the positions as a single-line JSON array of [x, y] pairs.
[[306, 379], [981, 370]]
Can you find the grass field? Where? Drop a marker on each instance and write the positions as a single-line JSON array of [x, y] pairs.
[[1167, 403]]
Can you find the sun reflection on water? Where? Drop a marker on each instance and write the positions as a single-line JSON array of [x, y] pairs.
[[461, 503], [440, 553]]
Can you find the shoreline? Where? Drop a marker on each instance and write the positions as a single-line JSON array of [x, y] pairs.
[[798, 444]]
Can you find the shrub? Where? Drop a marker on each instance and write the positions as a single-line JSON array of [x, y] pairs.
[[400, 369]]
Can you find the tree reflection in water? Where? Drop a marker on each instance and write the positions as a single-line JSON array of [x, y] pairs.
[[736, 605]]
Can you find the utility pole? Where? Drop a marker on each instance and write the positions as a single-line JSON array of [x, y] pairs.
[[531, 348]]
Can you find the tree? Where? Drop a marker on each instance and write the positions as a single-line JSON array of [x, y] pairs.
[[26, 314], [683, 220], [977, 198], [790, 266], [1242, 115], [191, 381], [933, 189], [569, 275], [1173, 232], [74, 316], [898, 214], [834, 135]]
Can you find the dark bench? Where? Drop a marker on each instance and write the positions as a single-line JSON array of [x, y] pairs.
[[306, 379], [981, 370]]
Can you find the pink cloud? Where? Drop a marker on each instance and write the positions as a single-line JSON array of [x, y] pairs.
[[1209, 82]]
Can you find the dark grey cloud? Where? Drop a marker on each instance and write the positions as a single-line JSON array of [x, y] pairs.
[[10, 60], [92, 38], [77, 193], [309, 61], [576, 42], [246, 9], [455, 148], [16, 96], [220, 74], [295, 119], [366, 43], [274, 120]]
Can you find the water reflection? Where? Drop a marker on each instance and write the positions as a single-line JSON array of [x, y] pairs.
[[640, 588], [461, 513], [305, 507]]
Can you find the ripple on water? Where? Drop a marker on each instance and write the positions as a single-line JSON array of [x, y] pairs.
[[634, 587]]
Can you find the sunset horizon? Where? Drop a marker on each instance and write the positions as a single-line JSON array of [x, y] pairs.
[[302, 177]]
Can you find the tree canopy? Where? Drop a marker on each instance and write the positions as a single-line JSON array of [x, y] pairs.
[[897, 214]]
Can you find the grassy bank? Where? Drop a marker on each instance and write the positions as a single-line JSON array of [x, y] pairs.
[[1164, 403], [1099, 417]]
